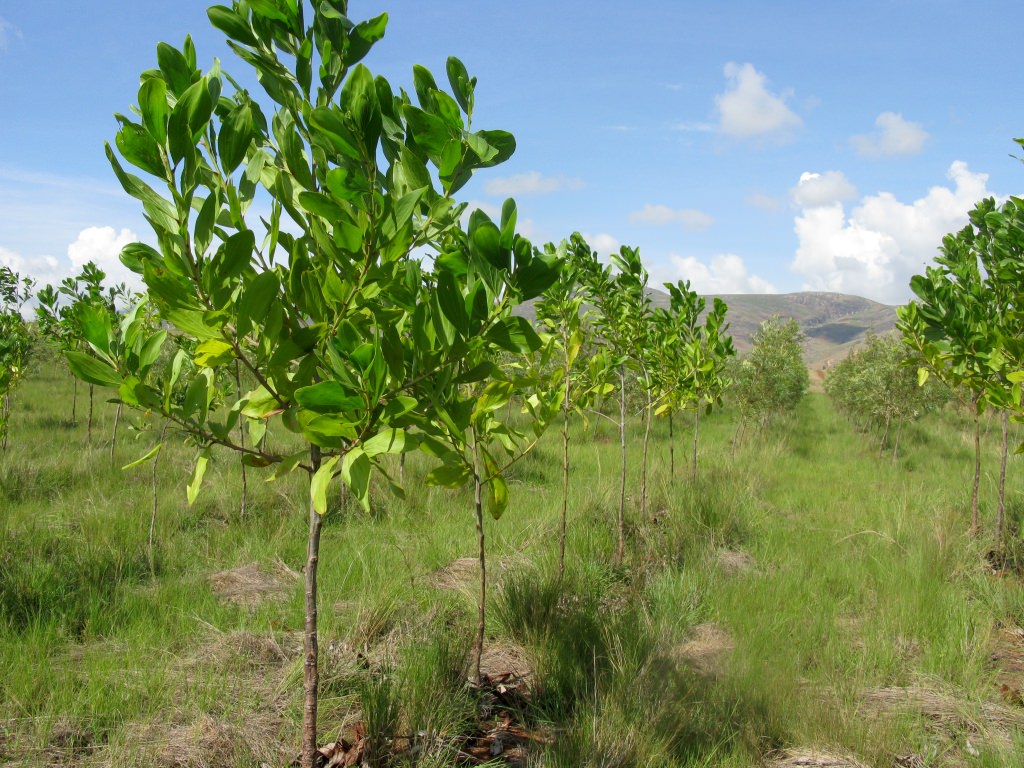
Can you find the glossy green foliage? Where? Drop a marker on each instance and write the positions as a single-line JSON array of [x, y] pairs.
[[325, 301]]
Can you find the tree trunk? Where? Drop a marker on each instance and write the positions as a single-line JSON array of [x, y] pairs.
[[4, 426], [481, 617], [89, 429], [311, 671], [401, 470], [643, 459], [620, 551], [74, 400], [1002, 479], [975, 521], [152, 516], [565, 482], [241, 442], [696, 433], [885, 434], [671, 449], [113, 436], [896, 447]]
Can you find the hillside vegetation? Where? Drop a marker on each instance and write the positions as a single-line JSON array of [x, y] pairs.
[[802, 601]]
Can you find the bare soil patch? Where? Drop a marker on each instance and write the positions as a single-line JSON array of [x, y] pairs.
[[250, 585]]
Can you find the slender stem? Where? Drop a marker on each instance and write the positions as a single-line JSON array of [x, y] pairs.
[[565, 480], [310, 669], [975, 521], [620, 551], [643, 460], [152, 516], [478, 508], [89, 430], [671, 449], [241, 441], [896, 446], [696, 434], [113, 436], [885, 434], [74, 400], [1002, 478]]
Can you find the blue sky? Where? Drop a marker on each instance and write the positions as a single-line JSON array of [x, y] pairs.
[[746, 146]]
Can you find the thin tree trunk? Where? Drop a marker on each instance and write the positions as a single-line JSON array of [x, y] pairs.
[[565, 482], [401, 470], [620, 551], [152, 516], [696, 432], [643, 459], [4, 419], [241, 442], [311, 671], [885, 434], [896, 447], [74, 401], [975, 521], [113, 436], [89, 429], [671, 449], [1002, 479], [481, 619]]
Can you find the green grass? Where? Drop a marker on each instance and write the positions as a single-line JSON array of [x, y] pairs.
[[823, 575]]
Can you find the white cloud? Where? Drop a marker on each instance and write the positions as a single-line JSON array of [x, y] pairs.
[[102, 246], [817, 189], [726, 273], [690, 218], [764, 202], [7, 30], [875, 249], [895, 136], [532, 183], [42, 269], [602, 243], [695, 127], [748, 109]]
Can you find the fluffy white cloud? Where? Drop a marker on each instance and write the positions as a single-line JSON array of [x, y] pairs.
[[42, 269], [532, 183], [726, 273], [748, 109], [690, 218], [895, 136], [602, 243], [875, 249], [817, 189], [102, 246]]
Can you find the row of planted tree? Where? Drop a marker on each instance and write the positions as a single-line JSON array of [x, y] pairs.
[[314, 276]]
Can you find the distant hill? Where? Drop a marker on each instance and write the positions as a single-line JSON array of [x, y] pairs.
[[834, 323]]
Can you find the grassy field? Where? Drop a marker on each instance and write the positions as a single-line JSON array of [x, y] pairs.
[[802, 603]]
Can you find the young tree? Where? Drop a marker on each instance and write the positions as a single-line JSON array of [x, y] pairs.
[[772, 378], [15, 341], [324, 314], [561, 312]]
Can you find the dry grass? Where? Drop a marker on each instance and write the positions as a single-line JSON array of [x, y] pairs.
[[461, 574], [734, 562], [707, 650], [949, 714], [505, 658], [808, 758], [250, 585], [207, 742]]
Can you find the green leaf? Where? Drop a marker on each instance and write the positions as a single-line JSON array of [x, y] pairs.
[[461, 83], [236, 134], [213, 353], [198, 473], [260, 404], [176, 71], [388, 441], [514, 334], [154, 108], [355, 471], [140, 149], [497, 488], [319, 484], [93, 371], [232, 24], [151, 455], [327, 397], [449, 475], [287, 465]]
